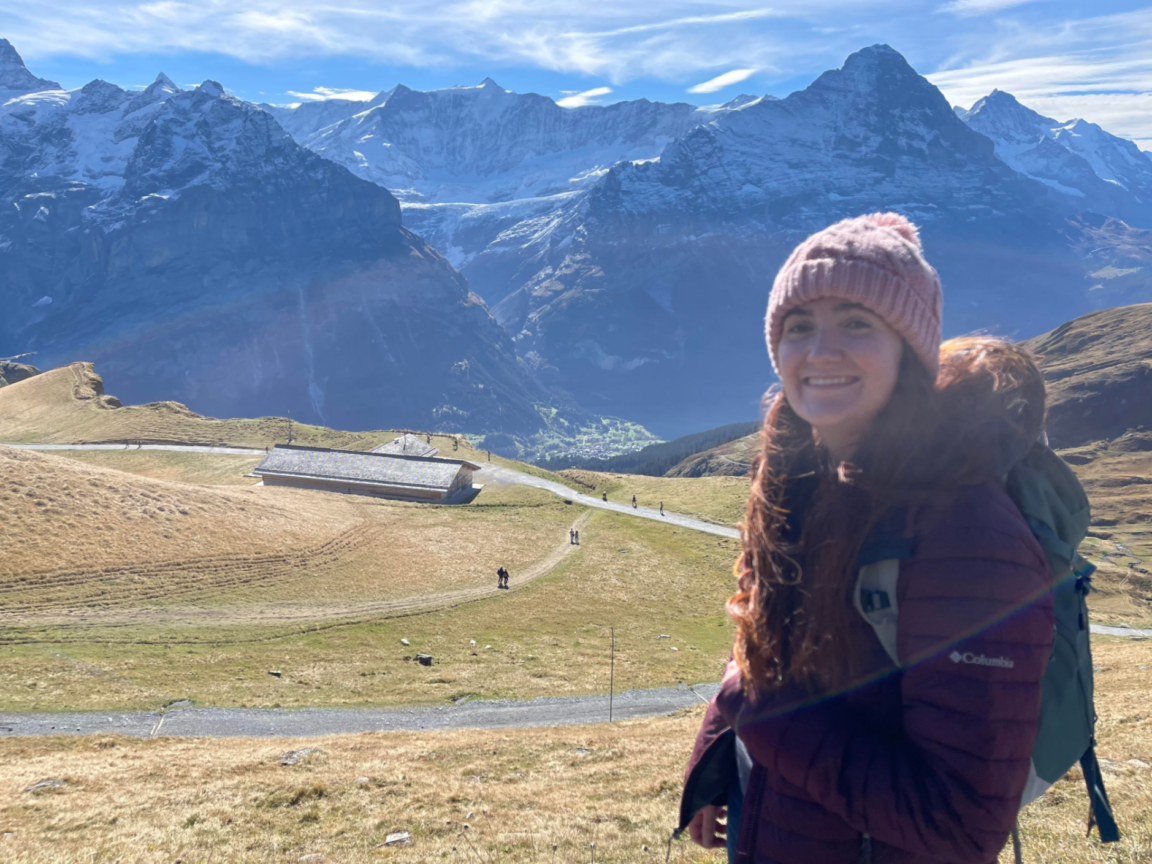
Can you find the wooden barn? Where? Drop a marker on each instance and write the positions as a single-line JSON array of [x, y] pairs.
[[384, 475]]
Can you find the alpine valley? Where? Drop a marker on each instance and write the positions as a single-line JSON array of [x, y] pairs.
[[338, 258]]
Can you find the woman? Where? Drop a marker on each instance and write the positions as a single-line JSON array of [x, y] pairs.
[[879, 439]]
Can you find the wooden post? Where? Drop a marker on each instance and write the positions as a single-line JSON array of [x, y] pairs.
[[612, 673]]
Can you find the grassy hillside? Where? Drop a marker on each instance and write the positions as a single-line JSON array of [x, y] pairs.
[[733, 459], [77, 535], [714, 499], [516, 796], [1098, 369], [208, 469], [68, 405], [106, 577]]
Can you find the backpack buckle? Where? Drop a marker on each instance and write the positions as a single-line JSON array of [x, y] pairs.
[[874, 601], [1083, 570]]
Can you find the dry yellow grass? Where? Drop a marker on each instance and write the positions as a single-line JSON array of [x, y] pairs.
[[548, 638], [105, 575], [204, 469], [1119, 485], [68, 405], [82, 542], [526, 790], [715, 499], [1053, 827]]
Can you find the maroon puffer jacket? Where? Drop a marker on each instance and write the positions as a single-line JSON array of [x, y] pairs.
[[928, 761]]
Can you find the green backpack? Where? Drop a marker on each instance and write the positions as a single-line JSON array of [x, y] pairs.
[[1053, 502]]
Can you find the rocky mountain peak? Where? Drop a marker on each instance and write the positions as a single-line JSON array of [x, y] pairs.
[[100, 97], [201, 137], [1001, 111], [14, 75], [879, 65], [877, 90], [159, 90], [1098, 170], [742, 100]]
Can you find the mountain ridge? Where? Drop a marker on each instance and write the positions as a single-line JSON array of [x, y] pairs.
[[626, 250], [182, 240]]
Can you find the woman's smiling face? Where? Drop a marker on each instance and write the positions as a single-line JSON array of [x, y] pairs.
[[839, 363]]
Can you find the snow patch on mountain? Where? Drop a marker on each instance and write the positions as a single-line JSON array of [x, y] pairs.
[[1075, 158], [15, 78], [479, 169]]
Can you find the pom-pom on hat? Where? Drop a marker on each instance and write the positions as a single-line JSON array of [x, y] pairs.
[[874, 260]]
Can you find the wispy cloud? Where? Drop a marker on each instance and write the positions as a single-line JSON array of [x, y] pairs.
[[322, 94], [691, 20], [588, 97], [1099, 69], [722, 81], [1052, 53], [673, 40], [980, 7]]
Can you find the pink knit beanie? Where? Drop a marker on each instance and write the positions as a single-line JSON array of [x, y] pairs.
[[874, 260]]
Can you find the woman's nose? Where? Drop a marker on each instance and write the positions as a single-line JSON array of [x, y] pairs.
[[825, 343]]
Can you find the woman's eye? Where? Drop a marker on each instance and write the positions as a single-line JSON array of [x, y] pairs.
[[798, 328], [858, 324]]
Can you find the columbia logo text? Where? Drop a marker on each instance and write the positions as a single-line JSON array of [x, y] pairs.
[[980, 660]]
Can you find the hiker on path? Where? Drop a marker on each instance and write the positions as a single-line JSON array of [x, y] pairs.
[[661, 508], [502, 578], [605, 494], [633, 502], [577, 536], [880, 437]]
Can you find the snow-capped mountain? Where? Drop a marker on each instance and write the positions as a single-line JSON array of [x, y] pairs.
[[628, 250], [15, 79], [481, 171], [186, 244], [483, 144], [1076, 158], [620, 244], [653, 297]]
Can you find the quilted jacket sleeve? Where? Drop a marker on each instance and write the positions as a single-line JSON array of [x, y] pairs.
[[975, 635]]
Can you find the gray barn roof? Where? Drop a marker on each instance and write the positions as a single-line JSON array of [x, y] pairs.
[[373, 469], [408, 445]]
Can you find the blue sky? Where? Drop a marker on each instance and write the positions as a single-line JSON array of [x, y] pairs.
[[1065, 59]]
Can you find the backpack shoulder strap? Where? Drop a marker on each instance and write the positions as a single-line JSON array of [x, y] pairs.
[[879, 572], [1101, 813], [875, 599]]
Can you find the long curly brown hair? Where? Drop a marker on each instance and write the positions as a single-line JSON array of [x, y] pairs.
[[807, 518]]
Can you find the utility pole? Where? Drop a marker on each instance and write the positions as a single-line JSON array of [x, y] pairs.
[[289, 427], [612, 673]]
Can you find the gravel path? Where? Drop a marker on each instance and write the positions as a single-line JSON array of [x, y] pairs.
[[307, 722], [1129, 632], [499, 474], [180, 722]]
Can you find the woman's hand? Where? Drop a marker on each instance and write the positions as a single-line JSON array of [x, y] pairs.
[[707, 830]]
